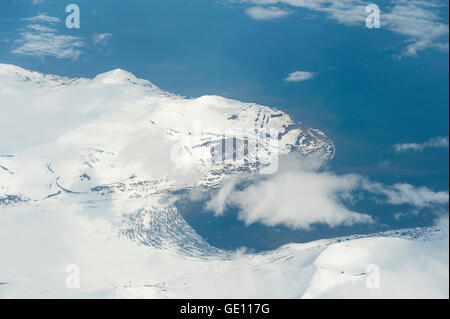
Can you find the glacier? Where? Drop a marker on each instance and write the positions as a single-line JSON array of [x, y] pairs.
[[90, 170]]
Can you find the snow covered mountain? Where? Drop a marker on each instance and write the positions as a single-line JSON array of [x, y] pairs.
[[118, 137], [90, 170]]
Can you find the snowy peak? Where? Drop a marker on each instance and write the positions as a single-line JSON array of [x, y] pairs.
[[115, 76], [119, 76]]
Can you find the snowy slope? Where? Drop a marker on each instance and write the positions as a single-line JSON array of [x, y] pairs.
[[412, 263]]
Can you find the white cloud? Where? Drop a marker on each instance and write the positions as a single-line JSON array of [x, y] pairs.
[[299, 196], [270, 13], [343, 11], [298, 200], [37, 1], [415, 20], [419, 24], [101, 38], [42, 17], [39, 40], [435, 142], [218, 203], [40, 28], [401, 194], [42, 39], [300, 76], [42, 44]]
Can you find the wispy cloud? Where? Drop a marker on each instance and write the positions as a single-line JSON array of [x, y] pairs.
[[101, 38], [435, 142], [298, 76], [269, 13], [40, 28], [418, 21], [42, 17], [49, 44], [40, 40], [406, 194], [419, 24]]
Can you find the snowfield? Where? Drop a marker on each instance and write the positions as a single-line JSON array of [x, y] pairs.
[[90, 170], [37, 246]]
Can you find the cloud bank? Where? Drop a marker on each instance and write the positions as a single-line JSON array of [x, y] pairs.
[[418, 21], [301, 195], [435, 142]]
